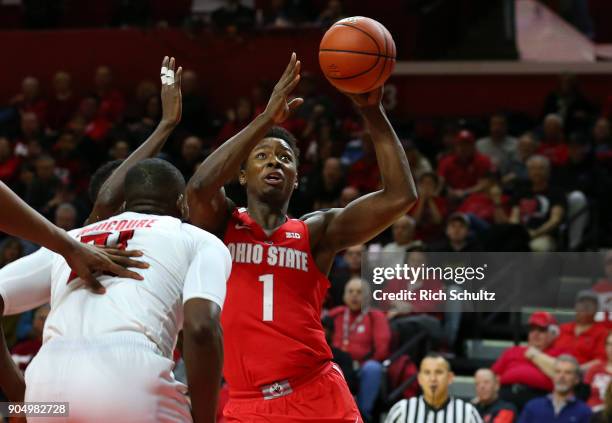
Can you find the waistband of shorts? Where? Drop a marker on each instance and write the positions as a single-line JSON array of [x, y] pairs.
[[281, 388], [102, 341]]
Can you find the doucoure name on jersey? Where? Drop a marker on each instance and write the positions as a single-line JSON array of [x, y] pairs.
[[249, 253], [119, 225]]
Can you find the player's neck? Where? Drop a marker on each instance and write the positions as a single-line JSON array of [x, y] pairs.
[[268, 216], [148, 209]]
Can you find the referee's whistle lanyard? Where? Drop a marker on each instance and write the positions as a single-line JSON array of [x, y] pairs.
[[347, 329]]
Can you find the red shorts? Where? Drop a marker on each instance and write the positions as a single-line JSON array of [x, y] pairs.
[[324, 398]]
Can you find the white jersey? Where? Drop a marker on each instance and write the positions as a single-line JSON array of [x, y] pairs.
[[185, 262]]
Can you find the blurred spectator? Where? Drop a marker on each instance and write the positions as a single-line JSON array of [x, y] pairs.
[[66, 216], [605, 415], [553, 144], [43, 193], [499, 147], [69, 161], [90, 121], [539, 206], [233, 16], [30, 135], [120, 150], [145, 89], [308, 89], [457, 235], [192, 153], [435, 404], [325, 186], [30, 100], [332, 13], [23, 352], [10, 250], [463, 168], [365, 335], [236, 119], [487, 402], [570, 104], [486, 204], [341, 358], [63, 103], [562, 405], [598, 378], [515, 170], [195, 118], [419, 165], [602, 141], [364, 173], [287, 13], [584, 338], [348, 195], [141, 129], [348, 268], [111, 101], [430, 210], [9, 163], [410, 317], [519, 368], [603, 288], [403, 241]]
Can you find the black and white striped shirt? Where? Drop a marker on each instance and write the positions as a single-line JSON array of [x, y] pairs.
[[416, 410]]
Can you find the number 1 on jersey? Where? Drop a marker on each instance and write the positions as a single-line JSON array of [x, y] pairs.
[[268, 297]]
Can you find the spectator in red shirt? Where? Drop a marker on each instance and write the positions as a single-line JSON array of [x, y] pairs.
[[602, 141], [553, 143], [24, 351], [603, 288], [463, 169], [364, 333], [63, 104], [112, 103], [29, 99], [485, 204], [598, 378], [584, 339], [430, 210], [237, 118], [9, 163], [521, 369]]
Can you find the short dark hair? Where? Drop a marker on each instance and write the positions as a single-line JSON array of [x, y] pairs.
[[100, 176], [435, 356], [288, 137], [154, 179]]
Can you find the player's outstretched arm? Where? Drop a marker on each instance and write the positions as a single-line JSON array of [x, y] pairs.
[[11, 378], [19, 219], [369, 215], [111, 196], [208, 206], [203, 355]]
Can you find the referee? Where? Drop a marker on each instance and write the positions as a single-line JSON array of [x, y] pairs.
[[435, 405]]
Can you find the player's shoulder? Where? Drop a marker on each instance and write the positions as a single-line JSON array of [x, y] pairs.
[[200, 235]]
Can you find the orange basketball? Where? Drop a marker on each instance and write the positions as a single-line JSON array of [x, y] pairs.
[[357, 54]]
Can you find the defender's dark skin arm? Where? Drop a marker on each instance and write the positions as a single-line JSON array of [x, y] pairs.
[[336, 229], [11, 378], [208, 206], [111, 194], [203, 354]]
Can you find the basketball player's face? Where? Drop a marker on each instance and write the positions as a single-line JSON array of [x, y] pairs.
[[435, 377], [271, 169]]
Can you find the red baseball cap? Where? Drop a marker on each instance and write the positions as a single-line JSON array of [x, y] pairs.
[[542, 319], [465, 136]]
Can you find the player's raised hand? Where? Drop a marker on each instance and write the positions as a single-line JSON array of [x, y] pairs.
[[369, 99], [279, 106], [171, 97], [86, 260]]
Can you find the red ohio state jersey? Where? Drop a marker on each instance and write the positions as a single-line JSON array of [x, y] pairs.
[[272, 314]]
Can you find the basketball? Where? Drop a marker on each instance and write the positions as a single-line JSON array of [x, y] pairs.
[[357, 54]]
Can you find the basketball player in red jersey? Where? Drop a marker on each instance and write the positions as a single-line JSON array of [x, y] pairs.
[[277, 363]]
